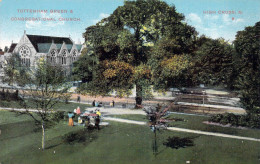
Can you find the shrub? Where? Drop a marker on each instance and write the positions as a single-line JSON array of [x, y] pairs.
[[4, 104], [251, 120]]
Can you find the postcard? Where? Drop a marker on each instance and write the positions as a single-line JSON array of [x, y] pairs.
[[129, 81]]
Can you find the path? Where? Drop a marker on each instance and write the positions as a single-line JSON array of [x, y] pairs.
[[212, 106], [184, 130], [120, 111]]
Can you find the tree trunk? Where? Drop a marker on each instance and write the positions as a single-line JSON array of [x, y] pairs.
[[139, 97], [43, 136]]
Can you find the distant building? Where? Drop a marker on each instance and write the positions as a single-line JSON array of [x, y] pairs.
[[57, 50]]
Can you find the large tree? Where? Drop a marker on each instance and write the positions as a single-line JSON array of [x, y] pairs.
[[212, 63], [128, 35], [45, 87], [247, 45]]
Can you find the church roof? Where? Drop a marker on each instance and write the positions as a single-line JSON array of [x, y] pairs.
[[44, 47], [79, 46], [12, 47], [69, 47], [37, 39]]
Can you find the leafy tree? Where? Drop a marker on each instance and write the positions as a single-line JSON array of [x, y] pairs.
[[11, 70], [84, 68], [213, 63], [47, 87], [247, 45], [129, 34], [169, 64], [112, 74]]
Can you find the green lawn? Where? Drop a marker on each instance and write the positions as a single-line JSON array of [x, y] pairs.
[[117, 143], [60, 106], [196, 123]]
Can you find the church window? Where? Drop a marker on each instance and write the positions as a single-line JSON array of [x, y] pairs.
[[25, 53], [74, 55], [53, 56], [63, 57]]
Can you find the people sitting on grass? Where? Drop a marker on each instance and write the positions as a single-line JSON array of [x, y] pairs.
[[80, 121], [100, 104], [96, 104]]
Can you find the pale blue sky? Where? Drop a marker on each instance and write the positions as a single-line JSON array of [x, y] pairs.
[[90, 11]]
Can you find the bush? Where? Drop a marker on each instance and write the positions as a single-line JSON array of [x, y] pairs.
[[251, 120], [4, 104]]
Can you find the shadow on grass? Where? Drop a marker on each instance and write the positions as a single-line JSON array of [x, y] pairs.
[[178, 142], [15, 130], [84, 136], [53, 146]]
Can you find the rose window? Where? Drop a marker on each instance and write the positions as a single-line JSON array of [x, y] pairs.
[[24, 51]]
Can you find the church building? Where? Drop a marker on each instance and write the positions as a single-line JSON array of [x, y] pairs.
[[57, 50]]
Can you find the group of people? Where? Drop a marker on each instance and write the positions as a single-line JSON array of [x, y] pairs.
[[97, 104], [100, 104], [86, 118]]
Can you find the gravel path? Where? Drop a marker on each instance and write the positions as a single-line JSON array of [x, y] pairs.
[[117, 111], [120, 111], [185, 130]]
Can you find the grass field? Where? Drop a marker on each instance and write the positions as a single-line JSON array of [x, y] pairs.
[[59, 106], [196, 123], [20, 141]]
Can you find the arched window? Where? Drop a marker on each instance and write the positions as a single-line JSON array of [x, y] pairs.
[[63, 57], [52, 57], [25, 53], [74, 55]]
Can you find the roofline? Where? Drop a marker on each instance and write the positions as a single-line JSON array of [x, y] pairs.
[[50, 36]]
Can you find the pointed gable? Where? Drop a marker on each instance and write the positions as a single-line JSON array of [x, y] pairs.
[[12, 47]]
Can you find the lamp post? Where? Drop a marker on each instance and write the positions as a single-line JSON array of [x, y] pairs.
[[203, 93]]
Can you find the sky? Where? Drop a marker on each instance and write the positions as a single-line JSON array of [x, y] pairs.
[[226, 17]]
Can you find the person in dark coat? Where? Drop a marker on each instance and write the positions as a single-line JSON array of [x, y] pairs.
[[97, 121], [78, 99], [93, 103], [113, 102]]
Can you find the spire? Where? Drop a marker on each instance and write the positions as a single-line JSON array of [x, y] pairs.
[[24, 32]]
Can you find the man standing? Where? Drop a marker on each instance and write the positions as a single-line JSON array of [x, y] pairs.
[[78, 99], [97, 121]]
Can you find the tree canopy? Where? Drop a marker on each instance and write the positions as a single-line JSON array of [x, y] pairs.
[[127, 37], [247, 45]]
